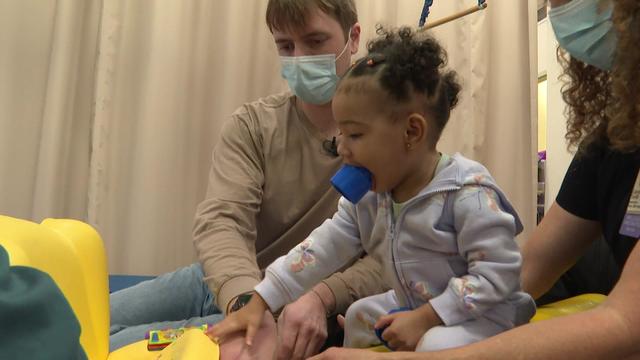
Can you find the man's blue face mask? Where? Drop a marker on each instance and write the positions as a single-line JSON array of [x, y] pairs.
[[586, 31], [312, 78]]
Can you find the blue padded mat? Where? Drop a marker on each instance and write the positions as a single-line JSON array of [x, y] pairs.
[[119, 282]]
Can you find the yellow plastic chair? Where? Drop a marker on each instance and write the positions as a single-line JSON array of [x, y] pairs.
[[73, 254]]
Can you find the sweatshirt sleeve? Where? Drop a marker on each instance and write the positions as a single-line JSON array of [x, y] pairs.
[[328, 248], [225, 224], [486, 238], [362, 279]]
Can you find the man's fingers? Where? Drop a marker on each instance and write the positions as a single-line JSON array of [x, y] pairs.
[[315, 343], [286, 344], [287, 334], [341, 321], [300, 346], [316, 340]]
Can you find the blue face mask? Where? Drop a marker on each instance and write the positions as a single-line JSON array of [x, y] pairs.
[[312, 78], [585, 31]]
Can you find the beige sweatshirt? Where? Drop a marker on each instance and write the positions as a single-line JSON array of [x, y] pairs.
[[268, 189]]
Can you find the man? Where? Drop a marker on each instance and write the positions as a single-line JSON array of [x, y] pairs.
[[268, 189]]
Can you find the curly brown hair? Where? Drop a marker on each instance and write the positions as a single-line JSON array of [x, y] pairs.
[[605, 106], [404, 62]]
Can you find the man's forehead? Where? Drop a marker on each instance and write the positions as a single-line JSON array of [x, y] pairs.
[[315, 22], [305, 33]]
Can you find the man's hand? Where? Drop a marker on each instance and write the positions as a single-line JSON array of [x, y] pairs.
[[406, 328], [302, 326], [352, 354], [248, 318]]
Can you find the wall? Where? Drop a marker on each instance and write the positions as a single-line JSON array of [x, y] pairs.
[[558, 158]]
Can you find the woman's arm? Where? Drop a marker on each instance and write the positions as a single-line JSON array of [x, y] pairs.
[[555, 245], [610, 331]]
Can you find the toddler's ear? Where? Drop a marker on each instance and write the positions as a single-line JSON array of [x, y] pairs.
[[417, 128]]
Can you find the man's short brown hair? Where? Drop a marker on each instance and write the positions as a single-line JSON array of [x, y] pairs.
[[292, 14]]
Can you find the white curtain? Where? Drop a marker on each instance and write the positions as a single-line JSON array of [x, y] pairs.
[[47, 70], [169, 75], [109, 109]]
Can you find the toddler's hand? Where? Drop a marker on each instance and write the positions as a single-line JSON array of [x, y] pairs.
[[406, 328], [248, 318]]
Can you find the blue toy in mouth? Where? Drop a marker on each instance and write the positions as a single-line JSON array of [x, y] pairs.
[[352, 182]]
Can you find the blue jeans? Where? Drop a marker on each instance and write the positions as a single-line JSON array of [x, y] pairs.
[[172, 300]]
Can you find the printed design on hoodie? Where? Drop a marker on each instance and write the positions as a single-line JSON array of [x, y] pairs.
[[464, 289], [366, 319], [302, 256], [476, 256], [422, 289], [485, 196]]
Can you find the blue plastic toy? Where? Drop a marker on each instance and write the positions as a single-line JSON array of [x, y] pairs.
[[352, 182]]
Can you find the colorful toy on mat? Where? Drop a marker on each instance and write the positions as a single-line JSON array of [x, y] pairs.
[[160, 339]]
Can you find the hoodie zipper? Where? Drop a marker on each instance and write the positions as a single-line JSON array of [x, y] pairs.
[[395, 222]]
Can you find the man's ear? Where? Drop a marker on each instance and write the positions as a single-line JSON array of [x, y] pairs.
[[355, 38], [416, 130]]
